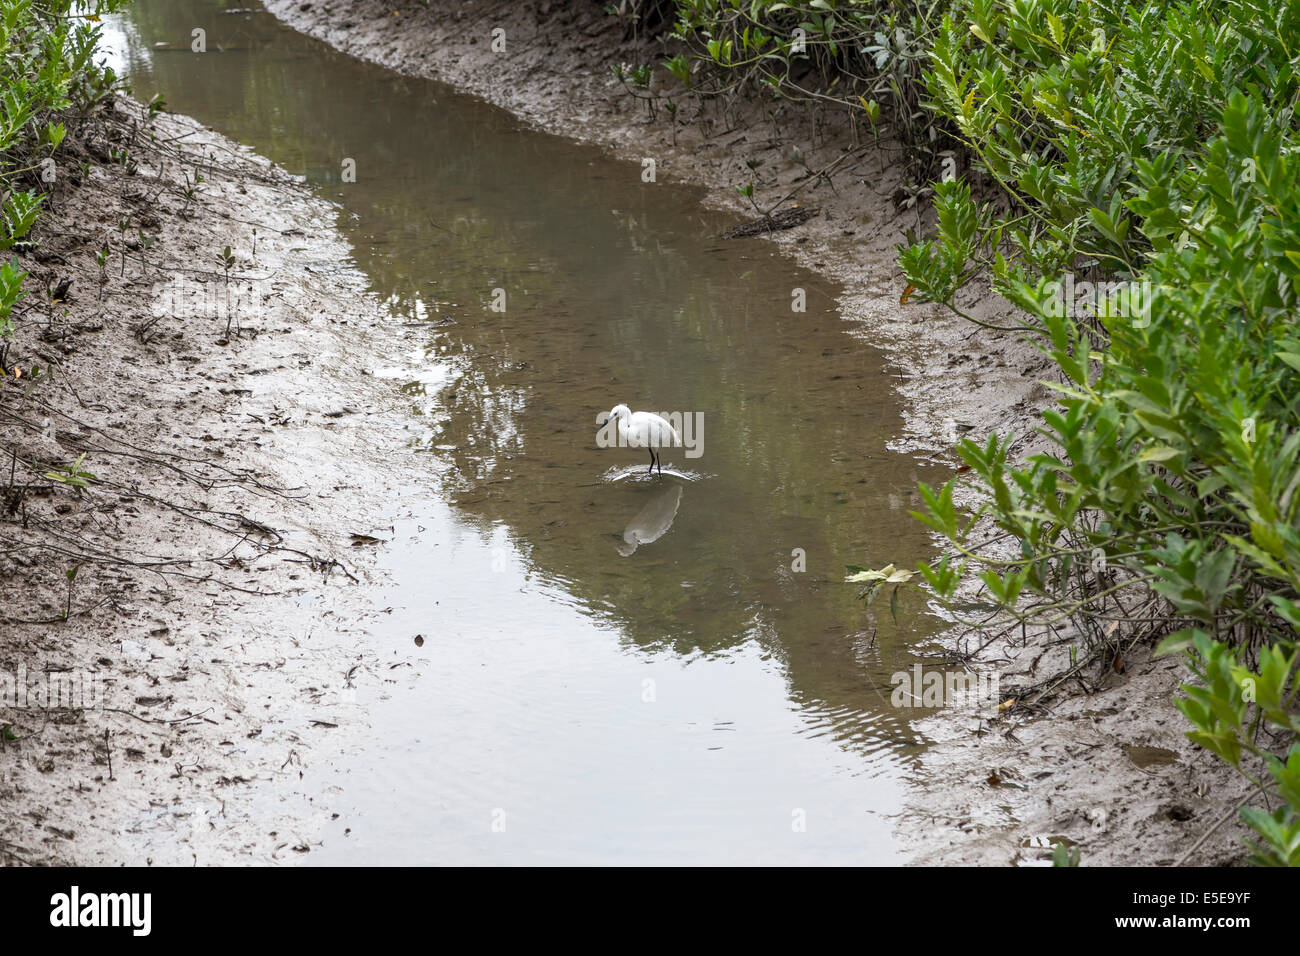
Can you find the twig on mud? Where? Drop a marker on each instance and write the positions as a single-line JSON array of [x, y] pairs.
[[1232, 811], [7, 850], [58, 620], [258, 528], [156, 720], [151, 456], [823, 173], [1044, 690], [202, 158], [99, 557], [317, 563], [787, 218]]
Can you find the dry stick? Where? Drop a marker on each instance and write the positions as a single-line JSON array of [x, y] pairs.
[[257, 528], [45, 722], [199, 158], [1220, 822], [161, 560], [1043, 690], [93, 556], [153, 457], [6, 849], [113, 557], [150, 566], [58, 620], [155, 720], [824, 171]]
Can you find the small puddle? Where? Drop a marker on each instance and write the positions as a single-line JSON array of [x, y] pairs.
[[1144, 757], [611, 667]]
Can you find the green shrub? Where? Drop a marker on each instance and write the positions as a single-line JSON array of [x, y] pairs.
[[47, 70], [857, 54], [1153, 146]]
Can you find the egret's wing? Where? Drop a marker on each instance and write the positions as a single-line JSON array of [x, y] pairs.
[[660, 431]]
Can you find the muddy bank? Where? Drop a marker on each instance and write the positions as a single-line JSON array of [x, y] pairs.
[[213, 648], [1111, 771]]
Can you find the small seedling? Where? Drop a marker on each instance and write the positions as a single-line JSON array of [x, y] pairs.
[[73, 475], [11, 290], [190, 191], [54, 134], [101, 260], [227, 260], [146, 243], [680, 67]]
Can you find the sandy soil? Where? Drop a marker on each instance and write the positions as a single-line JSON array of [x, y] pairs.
[[217, 626], [1111, 771]]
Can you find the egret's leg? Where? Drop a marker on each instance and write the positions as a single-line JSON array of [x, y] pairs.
[[652, 462]]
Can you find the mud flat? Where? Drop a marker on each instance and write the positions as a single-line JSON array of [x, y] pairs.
[[214, 639], [1110, 771]]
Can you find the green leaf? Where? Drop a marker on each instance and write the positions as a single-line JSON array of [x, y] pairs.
[[1175, 643], [1160, 453], [1057, 29]]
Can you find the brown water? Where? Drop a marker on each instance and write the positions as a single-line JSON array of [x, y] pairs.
[[691, 698]]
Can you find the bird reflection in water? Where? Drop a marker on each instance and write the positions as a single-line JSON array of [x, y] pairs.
[[652, 521]]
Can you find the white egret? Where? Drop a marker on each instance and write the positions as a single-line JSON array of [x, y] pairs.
[[644, 430]]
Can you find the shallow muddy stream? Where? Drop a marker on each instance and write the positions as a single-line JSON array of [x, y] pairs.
[[612, 667]]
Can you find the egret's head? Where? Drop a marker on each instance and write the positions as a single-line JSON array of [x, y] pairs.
[[619, 411]]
